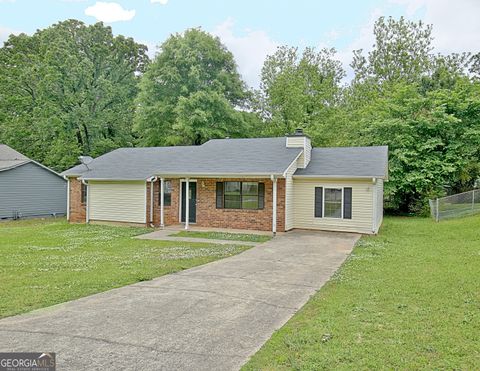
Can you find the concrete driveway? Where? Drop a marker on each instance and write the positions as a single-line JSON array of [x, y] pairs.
[[212, 317]]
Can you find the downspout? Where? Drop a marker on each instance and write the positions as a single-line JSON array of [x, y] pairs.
[[87, 211], [152, 181], [274, 201], [374, 205], [68, 196]]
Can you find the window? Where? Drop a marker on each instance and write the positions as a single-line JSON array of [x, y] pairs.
[[332, 205], [167, 193], [232, 195], [240, 195], [329, 202], [249, 195], [84, 193]]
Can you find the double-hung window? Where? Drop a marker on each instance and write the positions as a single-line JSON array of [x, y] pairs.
[[240, 195], [167, 193], [84, 194], [333, 202]]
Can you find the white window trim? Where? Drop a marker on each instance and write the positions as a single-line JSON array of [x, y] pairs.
[[323, 203]]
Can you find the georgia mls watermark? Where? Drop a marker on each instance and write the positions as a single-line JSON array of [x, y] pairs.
[[27, 362]]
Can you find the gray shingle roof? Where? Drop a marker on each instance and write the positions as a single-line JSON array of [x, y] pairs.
[[9, 158], [347, 161], [258, 156]]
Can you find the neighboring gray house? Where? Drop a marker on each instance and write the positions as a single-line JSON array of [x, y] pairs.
[[29, 189]]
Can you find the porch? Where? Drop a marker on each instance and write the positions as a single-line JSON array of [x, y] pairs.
[[243, 204]]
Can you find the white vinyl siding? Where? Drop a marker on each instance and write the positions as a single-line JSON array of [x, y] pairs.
[[362, 205], [301, 142], [289, 195], [379, 204], [117, 201], [307, 151]]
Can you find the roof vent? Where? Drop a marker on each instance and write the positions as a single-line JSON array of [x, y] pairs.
[[85, 160], [299, 132]]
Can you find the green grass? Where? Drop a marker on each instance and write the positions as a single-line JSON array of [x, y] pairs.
[[406, 299], [224, 236], [45, 262]]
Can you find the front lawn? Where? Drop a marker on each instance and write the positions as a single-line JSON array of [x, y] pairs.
[[224, 236], [406, 299], [45, 262]]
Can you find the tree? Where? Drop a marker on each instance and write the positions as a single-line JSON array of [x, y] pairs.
[[68, 90], [402, 51], [433, 141], [190, 92], [299, 90]]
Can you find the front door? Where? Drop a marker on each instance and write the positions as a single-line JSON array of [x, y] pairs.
[[192, 206]]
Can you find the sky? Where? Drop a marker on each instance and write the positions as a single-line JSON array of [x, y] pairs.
[[253, 29]]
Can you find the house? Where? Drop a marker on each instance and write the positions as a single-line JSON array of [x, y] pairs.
[[29, 189], [271, 184]]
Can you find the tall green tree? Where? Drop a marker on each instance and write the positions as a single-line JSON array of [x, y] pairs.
[[190, 93], [433, 139], [68, 90], [402, 51], [299, 90]]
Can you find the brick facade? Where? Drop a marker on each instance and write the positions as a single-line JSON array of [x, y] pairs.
[[209, 216], [207, 213], [170, 213], [78, 211]]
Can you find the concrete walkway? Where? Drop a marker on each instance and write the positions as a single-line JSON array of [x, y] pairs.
[[212, 317], [165, 235]]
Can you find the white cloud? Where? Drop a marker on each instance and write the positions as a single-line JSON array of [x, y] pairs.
[[455, 28], [109, 12], [456, 25], [162, 2], [249, 49], [364, 40], [5, 32], [152, 48]]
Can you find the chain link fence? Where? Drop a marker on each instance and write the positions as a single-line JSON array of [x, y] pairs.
[[455, 206]]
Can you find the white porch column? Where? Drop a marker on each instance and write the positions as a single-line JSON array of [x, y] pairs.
[[152, 182], [274, 212], [187, 203], [162, 191]]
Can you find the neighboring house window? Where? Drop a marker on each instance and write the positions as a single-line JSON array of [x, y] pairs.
[[167, 193], [84, 193], [333, 202], [240, 195]]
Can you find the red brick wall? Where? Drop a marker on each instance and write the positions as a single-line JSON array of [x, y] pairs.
[[77, 209], [209, 216], [207, 213], [170, 213]]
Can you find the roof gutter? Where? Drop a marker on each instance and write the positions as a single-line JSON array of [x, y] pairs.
[[221, 175], [340, 176], [115, 180]]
